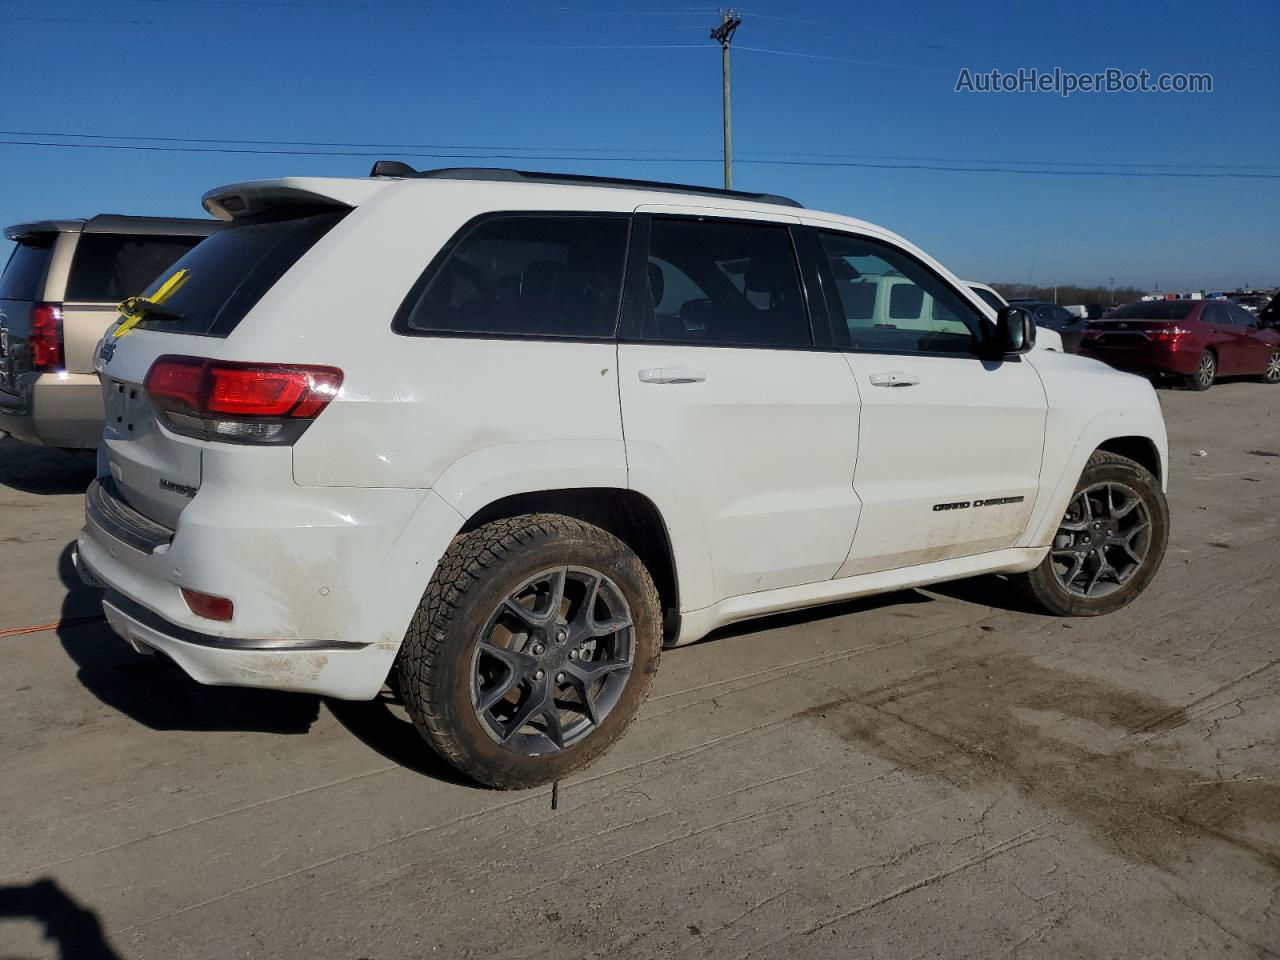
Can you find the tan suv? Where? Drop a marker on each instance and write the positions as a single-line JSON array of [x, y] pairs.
[[58, 295]]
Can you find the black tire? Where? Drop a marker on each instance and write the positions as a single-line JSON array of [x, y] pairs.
[[1272, 373], [471, 584], [1206, 372], [1043, 588]]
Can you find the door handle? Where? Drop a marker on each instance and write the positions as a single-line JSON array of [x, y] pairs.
[[671, 375], [895, 378]]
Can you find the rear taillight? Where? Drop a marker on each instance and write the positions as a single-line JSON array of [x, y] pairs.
[[1167, 333], [239, 402], [45, 339]]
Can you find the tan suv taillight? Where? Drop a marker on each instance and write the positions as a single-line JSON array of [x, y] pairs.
[[45, 339]]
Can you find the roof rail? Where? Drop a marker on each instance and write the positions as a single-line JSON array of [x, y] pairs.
[[506, 175]]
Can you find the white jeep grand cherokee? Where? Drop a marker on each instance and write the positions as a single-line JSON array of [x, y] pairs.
[[497, 438]]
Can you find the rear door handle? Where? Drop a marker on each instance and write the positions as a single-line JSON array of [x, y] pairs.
[[671, 375], [895, 378]]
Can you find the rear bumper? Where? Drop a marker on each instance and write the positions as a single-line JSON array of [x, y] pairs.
[[332, 669], [55, 410], [322, 594]]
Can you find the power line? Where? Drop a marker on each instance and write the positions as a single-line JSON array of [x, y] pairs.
[[865, 63], [669, 160], [535, 153]]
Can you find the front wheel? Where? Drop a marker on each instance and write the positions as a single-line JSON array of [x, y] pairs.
[[533, 648], [1206, 372], [1272, 372], [1109, 544]]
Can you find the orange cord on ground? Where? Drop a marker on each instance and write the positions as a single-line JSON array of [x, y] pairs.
[[40, 628]]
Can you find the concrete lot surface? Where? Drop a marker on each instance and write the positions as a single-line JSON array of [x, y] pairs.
[[928, 774]]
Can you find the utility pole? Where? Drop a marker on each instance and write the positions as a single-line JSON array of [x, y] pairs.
[[723, 34]]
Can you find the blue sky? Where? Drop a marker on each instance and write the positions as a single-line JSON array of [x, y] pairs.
[[848, 83]]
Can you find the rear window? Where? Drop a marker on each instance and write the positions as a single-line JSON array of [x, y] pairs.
[[109, 267], [23, 277], [534, 275], [1154, 310], [233, 269]]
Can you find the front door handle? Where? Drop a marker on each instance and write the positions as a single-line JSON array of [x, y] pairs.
[[671, 375], [895, 378]]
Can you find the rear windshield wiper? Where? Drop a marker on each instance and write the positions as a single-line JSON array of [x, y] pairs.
[[149, 310]]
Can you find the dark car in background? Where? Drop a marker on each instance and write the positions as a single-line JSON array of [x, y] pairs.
[[58, 294], [1054, 317], [1196, 340]]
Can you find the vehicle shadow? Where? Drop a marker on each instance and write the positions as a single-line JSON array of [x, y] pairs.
[[44, 470], [74, 929], [381, 725], [154, 692], [989, 590]]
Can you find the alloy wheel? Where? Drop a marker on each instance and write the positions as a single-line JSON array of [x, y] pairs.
[[1272, 374], [1102, 541], [552, 660], [1205, 374]]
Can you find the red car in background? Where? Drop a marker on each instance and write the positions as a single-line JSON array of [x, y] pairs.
[[1198, 340]]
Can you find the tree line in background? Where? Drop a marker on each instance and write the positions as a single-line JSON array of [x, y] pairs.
[[1102, 295]]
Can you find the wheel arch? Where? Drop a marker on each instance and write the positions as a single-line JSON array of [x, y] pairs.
[[630, 516], [1139, 449]]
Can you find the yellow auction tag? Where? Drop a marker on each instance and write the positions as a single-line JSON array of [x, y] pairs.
[[132, 310]]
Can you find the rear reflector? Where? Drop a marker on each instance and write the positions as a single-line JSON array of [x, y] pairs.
[[239, 402], [46, 337], [208, 606]]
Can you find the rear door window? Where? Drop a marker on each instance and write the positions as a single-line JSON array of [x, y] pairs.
[[109, 267], [524, 275], [234, 268], [23, 277], [724, 283]]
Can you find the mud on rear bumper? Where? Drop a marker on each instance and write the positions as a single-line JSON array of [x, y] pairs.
[[333, 668]]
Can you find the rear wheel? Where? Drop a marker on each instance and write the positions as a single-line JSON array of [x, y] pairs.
[[1272, 372], [1109, 544], [532, 650], [1206, 372]]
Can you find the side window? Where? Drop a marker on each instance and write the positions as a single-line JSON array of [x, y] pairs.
[[717, 282], [538, 275], [1044, 312], [1212, 313], [1240, 316], [891, 302], [109, 267]]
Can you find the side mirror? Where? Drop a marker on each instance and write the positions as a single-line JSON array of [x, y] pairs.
[[1015, 332]]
